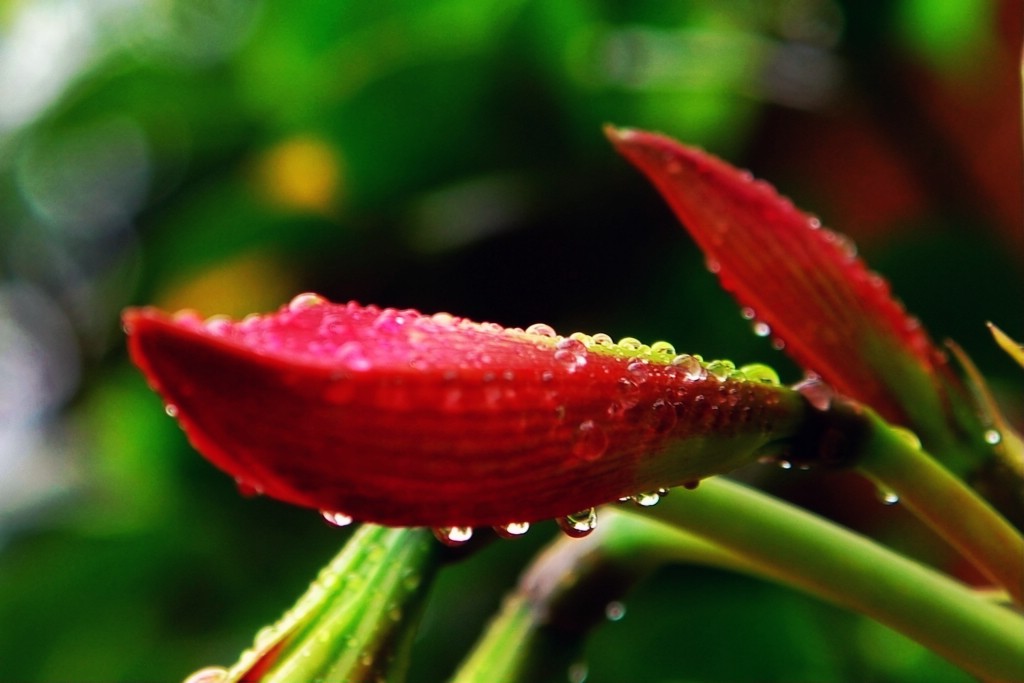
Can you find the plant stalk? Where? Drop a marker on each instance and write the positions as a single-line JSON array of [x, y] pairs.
[[893, 459], [852, 571]]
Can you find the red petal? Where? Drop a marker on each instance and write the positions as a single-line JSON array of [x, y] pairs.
[[803, 281], [404, 419]]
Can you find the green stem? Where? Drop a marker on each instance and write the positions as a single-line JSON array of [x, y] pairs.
[[895, 461], [354, 622], [542, 625], [847, 569]]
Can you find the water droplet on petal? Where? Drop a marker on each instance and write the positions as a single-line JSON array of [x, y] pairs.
[[630, 344], [336, 518], [218, 325], [590, 442], [993, 437], [663, 348], [748, 313], [171, 410], [247, 489], [691, 368], [628, 393], [662, 417], [756, 372], [571, 353], [541, 330], [761, 329], [304, 301], [721, 369], [352, 355], [648, 499], [512, 529], [210, 674], [639, 370], [579, 524], [454, 536]]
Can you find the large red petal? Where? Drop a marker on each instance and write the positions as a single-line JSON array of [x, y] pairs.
[[404, 419]]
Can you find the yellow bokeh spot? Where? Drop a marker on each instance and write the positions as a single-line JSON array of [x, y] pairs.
[[302, 173], [249, 282]]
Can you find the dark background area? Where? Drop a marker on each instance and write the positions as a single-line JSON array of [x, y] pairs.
[[225, 155]]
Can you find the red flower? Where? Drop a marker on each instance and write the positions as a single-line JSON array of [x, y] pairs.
[[406, 419]]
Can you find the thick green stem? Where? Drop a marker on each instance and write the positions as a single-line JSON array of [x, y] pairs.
[[895, 461], [854, 572], [354, 622]]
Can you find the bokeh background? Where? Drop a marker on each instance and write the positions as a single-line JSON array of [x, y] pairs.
[[224, 155]]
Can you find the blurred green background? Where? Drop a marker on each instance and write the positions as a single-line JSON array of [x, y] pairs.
[[224, 155]]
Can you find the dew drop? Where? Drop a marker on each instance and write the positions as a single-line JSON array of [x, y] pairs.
[[761, 329], [688, 485], [265, 636], [512, 529], [602, 339], [571, 353], [784, 464], [335, 518], [756, 372], [814, 223], [748, 313], [453, 536], [541, 330], [713, 266], [993, 437], [908, 437], [590, 442], [662, 417], [721, 369], [352, 355], [888, 497], [579, 524], [778, 343], [817, 393], [171, 410], [663, 348], [248, 489], [628, 393], [210, 674], [630, 344], [614, 611], [691, 368], [646, 500], [305, 301], [218, 325], [639, 370], [578, 672]]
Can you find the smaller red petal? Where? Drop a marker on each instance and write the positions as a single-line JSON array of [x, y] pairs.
[[405, 419], [799, 280]]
